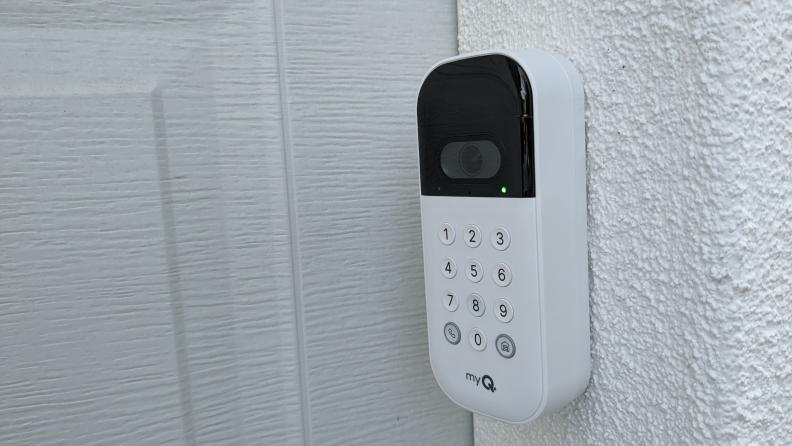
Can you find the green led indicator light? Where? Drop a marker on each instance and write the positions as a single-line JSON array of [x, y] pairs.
[[503, 190]]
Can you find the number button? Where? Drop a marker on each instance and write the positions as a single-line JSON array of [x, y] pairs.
[[448, 267], [473, 270], [447, 234], [505, 346], [451, 332], [477, 339], [501, 274], [476, 305], [503, 310], [450, 300], [472, 236], [500, 238]]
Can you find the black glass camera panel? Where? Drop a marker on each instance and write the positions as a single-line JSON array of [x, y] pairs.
[[475, 129], [475, 158]]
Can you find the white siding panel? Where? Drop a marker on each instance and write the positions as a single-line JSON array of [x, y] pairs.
[[153, 212], [195, 148], [353, 70]]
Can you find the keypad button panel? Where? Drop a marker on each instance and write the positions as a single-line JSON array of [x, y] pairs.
[[514, 220]]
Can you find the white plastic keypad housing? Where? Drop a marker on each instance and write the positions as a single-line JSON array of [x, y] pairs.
[[547, 333]]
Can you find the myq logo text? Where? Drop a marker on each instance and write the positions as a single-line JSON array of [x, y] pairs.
[[486, 381]]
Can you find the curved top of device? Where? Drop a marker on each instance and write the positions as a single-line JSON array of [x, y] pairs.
[[473, 89]]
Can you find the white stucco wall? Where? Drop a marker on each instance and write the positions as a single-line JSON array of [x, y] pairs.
[[689, 139]]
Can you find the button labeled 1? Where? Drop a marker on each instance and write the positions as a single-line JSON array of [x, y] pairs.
[[447, 234], [448, 267]]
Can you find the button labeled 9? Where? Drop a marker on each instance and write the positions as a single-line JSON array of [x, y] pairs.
[[503, 310]]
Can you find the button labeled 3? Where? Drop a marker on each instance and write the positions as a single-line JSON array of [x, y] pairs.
[[500, 238]]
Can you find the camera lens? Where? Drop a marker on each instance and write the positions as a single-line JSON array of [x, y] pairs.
[[471, 159]]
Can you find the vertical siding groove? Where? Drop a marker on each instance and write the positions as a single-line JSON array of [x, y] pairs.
[[172, 261], [293, 234]]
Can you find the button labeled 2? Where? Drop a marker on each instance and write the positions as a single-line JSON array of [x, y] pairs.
[[472, 236]]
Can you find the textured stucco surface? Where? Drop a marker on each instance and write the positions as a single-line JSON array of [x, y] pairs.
[[689, 140]]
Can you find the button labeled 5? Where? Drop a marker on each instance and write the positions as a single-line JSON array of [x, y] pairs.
[[473, 270]]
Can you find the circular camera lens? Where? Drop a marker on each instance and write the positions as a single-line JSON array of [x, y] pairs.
[[471, 159]]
